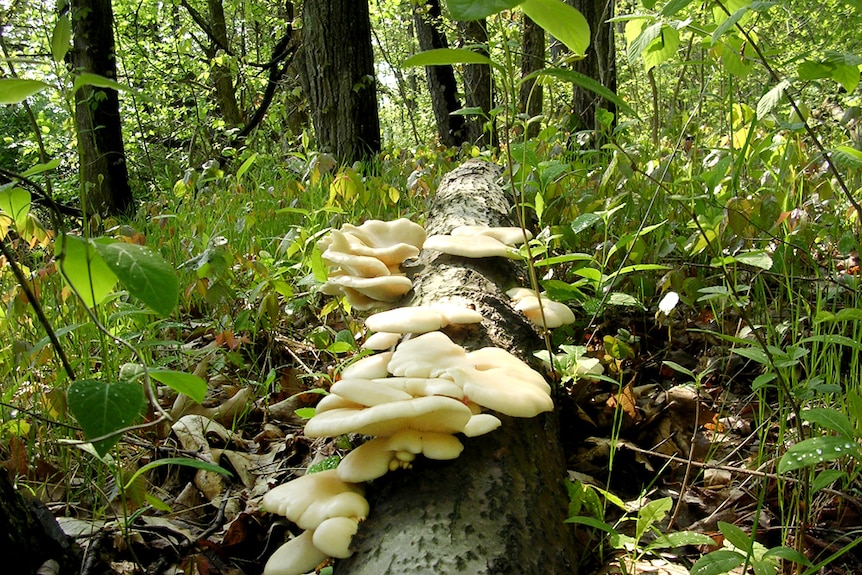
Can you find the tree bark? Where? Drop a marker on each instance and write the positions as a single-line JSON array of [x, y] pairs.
[[599, 64], [441, 79], [339, 77], [479, 85], [500, 507], [532, 59], [222, 76], [104, 177], [29, 534]]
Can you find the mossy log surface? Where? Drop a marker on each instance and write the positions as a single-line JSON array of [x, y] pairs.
[[500, 507]]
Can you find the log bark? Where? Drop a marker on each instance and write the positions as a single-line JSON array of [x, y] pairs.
[[29, 534], [500, 507]]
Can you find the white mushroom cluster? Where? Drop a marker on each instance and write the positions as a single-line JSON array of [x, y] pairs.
[[479, 241], [327, 508], [391, 324], [415, 399], [532, 305], [365, 260]]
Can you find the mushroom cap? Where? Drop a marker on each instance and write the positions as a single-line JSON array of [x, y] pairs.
[[379, 233], [368, 367], [381, 340], [431, 413], [480, 424], [352, 264], [500, 390], [421, 386], [367, 392], [427, 355], [433, 445], [333, 401], [508, 235], [333, 536], [297, 556], [494, 357], [469, 247], [556, 313], [421, 318], [310, 499], [416, 319], [385, 288], [367, 462], [388, 254]]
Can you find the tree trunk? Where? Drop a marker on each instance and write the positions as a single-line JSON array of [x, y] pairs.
[[339, 77], [500, 507], [532, 59], [104, 177], [222, 77], [29, 534], [479, 85], [441, 79], [599, 64]]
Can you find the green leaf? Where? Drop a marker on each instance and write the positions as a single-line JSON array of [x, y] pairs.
[[826, 478], [586, 83], [680, 539], [673, 7], [184, 461], [847, 157], [478, 9], [102, 408], [829, 419], [753, 353], [39, 168], [650, 514], [662, 48], [246, 165], [552, 261], [817, 450], [787, 554], [717, 563], [97, 81], [446, 56], [15, 202], [832, 339], [561, 21], [61, 38], [592, 522], [182, 382], [735, 536], [144, 274], [728, 23], [84, 268], [680, 369], [15, 90], [624, 299], [771, 99], [757, 258]]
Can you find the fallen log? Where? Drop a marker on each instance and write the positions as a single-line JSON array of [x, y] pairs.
[[500, 507]]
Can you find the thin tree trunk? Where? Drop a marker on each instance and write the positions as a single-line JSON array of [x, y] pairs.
[[479, 85], [222, 77], [339, 77], [532, 59], [441, 79], [599, 63], [500, 507], [104, 177]]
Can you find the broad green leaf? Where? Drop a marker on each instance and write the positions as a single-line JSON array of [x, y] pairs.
[[102, 408], [563, 259], [84, 268], [846, 75], [847, 157], [561, 21], [184, 461], [15, 90], [717, 563], [624, 299], [61, 38], [829, 419], [587, 83], [728, 23], [144, 274], [817, 450], [680, 369], [246, 165], [753, 353], [735, 536], [662, 48], [478, 9], [771, 99], [757, 258], [584, 222], [673, 7], [15, 202], [446, 56], [650, 514], [592, 522], [680, 539], [97, 81], [182, 382], [39, 168], [809, 70], [832, 339], [787, 554], [639, 34], [826, 478]]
